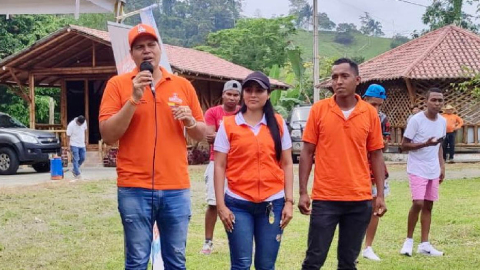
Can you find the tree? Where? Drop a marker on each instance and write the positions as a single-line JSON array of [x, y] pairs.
[[345, 38], [370, 26], [347, 27], [398, 40], [344, 33], [187, 23], [303, 13], [445, 12], [324, 22], [256, 43]]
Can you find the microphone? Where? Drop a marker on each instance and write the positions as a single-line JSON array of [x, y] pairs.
[[148, 66]]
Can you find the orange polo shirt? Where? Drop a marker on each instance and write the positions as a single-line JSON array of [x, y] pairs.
[[341, 164], [253, 172], [454, 122], [136, 146]]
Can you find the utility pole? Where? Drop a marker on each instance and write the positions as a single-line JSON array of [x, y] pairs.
[[316, 68]]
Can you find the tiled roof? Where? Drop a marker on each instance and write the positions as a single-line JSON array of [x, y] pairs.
[[443, 53], [191, 61]]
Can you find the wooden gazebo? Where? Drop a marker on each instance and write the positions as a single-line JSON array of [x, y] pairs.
[[80, 60], [438, 59]]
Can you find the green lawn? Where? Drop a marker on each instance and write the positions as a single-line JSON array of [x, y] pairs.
[[363, 45], [77, 226]]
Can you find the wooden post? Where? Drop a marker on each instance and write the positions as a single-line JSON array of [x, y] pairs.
[[94, 61], [475, 134], [87, 116], [51, 111], [63, 104], [63, 110], [31, 82], [411, 91]]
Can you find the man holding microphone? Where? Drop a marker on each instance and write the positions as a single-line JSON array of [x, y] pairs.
[[149, 122]]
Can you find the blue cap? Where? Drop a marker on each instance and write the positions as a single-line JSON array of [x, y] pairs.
[[376, 91]]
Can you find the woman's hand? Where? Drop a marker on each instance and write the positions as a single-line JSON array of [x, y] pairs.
[[287, 214], [227, 218]]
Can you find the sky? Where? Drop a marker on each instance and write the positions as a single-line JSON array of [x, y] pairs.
[[396, 17]]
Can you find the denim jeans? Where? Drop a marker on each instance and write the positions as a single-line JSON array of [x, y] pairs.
[[252, 222], [352, 219], [171, 211], [78, 157], [449, 145]]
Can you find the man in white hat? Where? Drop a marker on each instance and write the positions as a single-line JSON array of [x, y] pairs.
[[454, 123], [213, 119]]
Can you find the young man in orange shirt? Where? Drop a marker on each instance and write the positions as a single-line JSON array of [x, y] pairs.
[[153, 182], [341, 131], [454, 123]]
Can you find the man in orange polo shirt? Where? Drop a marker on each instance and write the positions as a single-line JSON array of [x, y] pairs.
[[454, 123], [340, 132], [153, 181]]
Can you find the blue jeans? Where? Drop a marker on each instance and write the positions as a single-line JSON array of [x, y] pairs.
[[78, 157], [252, 222], [171, 211]]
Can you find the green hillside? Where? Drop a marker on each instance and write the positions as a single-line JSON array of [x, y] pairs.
[[365, 46]]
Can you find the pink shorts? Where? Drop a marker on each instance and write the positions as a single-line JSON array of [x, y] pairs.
[[423, 189]]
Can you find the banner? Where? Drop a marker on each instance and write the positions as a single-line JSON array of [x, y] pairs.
[[121, 48]]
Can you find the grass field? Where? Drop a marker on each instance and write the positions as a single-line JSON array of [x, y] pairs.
[[363, 45], [77, 226]]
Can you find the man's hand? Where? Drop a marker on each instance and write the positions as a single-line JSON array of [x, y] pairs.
[[442, 174], [287, 214], [380, 207], [142, 80], [432, 141], [184, 114], [211, 137], [304, 204]]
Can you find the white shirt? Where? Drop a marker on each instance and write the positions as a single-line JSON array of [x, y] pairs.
[[347, 113], [222, 145], [424, 162], [76, 133]]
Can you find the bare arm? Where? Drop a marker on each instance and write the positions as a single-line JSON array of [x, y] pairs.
[[459, 123], [198, 132], [225, 215], [305, 167], [306, 161], [219, 177], [408, 145], [378, 168], [442, 164], [210, 134], [287, 167]]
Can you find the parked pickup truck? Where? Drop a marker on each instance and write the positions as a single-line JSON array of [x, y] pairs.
[[20, 145], [296, 123]]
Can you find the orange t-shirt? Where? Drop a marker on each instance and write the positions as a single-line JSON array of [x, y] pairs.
[[454, 122], [136, 146], [341, 165]]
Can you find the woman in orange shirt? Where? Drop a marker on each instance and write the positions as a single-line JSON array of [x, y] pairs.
[[253, 152]]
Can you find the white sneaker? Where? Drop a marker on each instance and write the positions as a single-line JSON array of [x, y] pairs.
[[207, 248], [427, 249], [407, 248], [369, 254]]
